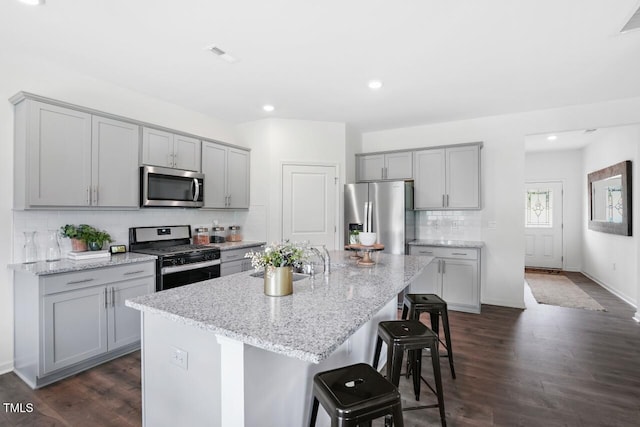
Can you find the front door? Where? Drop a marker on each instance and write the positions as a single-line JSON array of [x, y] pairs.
[[543, 224], [309, 194]]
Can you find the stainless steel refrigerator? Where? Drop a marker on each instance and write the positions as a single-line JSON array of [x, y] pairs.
[[389, 205]]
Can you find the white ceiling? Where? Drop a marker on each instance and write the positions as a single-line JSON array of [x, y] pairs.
[[572, 140], [438, 60]]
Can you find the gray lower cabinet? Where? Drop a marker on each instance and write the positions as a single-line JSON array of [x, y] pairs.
[[65, 323], [233, 261], [454, 275]]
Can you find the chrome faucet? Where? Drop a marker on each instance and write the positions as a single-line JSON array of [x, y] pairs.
[[324, 256]]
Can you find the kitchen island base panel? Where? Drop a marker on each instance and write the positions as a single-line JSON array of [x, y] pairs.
[[219, 381]]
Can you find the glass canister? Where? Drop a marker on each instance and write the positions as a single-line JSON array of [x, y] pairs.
[[234, 235], [30, 249], [217, 234], [53, 248], [201, 236]]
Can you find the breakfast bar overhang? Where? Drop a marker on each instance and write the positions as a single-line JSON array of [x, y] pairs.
[[221, 353]]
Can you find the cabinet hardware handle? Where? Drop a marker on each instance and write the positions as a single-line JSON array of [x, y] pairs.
[[439, 261], [458, 253], [443, 205], [426, 252], [88, 195], [229, 199], [133, 272], [234, 256], [443, 264], [106, 299], [113, 297], [447, 200], [76, 282]]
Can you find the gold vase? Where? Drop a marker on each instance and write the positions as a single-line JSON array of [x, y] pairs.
[[278, 281]]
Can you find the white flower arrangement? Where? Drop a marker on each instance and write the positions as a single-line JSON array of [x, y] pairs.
[[283, 254]]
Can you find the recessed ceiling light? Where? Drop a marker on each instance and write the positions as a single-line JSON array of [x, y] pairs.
[[268, 108], [552, 137], [222, 54], [32, 2], [375, 84]]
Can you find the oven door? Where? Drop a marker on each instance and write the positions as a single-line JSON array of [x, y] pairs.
[[170, 187], [173, 277]]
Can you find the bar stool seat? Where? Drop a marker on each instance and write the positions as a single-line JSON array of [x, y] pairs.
[[415, 304], [354, 395], [410, 335]]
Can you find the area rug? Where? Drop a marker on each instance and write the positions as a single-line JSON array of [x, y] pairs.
[[557, 289]]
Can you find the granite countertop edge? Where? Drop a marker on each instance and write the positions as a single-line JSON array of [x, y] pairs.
[[189, 305], [65, 265], [448, 243], [227, 246]]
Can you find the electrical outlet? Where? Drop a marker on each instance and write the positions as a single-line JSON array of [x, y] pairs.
[[179, 357]]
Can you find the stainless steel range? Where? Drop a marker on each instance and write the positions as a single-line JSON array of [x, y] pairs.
[[179, 262]]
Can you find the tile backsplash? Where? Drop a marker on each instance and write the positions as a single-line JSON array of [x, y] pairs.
[[449, 225], [117, 224]]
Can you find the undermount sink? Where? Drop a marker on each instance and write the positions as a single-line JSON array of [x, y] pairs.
[[296, 276]]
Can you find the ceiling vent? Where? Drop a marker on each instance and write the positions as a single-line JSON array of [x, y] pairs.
[[633, 24], [221, 54]]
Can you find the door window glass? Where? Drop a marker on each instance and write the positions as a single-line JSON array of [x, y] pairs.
[[539, 208]]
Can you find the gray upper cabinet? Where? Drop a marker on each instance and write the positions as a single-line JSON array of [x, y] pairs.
[[385, 166], [69, 158], [114, 160], [226, 176], [448, 178], [58, 155], [161, 148]]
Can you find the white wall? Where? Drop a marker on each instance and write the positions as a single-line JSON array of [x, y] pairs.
[[564, 166], [54, 82], [277, 141], [602, 250], [503, 176]]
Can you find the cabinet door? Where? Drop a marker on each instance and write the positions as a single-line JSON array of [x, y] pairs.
[[75, 327], [231, 267], [429, 281], [157, 147], [214, 166], [370, 167], [398, 165], [59, 172], [429, 175], [186, 153], [123, 321], [460, 284], [115, 178], [463, 177], [238, 178]]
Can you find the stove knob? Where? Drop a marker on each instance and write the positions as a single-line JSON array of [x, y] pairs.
[[181, 261], [208, 256], [174, 261]]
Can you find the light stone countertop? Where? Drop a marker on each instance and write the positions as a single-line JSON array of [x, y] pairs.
[[309, 325], [65, 265], [448, 243], [226, 246]]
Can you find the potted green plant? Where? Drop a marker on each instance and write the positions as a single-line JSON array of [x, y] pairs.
[[73, 232], [84, 236]]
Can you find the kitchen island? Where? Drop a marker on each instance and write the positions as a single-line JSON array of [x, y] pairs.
[[221, 353]]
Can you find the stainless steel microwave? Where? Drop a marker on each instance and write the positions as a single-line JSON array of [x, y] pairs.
[[165, 187]]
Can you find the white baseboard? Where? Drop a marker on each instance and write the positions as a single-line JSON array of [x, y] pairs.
[[503, 303], [615, 292], [6, 367]]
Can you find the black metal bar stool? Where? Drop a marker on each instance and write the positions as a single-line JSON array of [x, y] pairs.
[[415, 304], [413, 336], [354, 395]]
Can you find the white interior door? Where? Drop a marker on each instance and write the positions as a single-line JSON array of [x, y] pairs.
[[543, 224], [309, 204]]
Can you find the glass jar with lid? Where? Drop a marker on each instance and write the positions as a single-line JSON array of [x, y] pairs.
[[234, 235], [201, 236], [217, 234]]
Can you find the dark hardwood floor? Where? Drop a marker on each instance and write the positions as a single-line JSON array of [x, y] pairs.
[[543, 366]]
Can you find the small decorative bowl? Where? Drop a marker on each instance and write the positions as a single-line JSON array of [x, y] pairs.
[[367, 239]]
